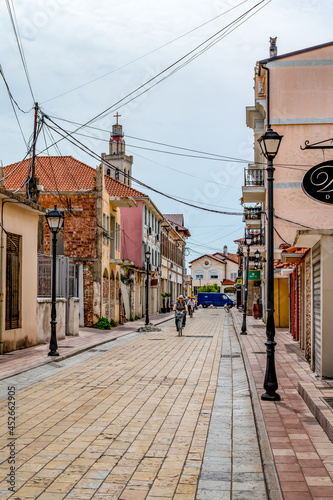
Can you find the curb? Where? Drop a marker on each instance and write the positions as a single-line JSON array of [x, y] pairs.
[[273, 487]]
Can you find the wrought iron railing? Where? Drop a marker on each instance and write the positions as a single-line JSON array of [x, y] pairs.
[[252, 213], [253, 177]]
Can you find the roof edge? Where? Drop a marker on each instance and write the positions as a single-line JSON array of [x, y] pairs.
[[294, 53]]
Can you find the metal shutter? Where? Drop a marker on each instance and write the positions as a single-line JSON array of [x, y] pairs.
[[317, 334]]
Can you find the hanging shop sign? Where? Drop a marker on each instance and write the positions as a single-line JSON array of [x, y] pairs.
[[317, 183], [254, 275]]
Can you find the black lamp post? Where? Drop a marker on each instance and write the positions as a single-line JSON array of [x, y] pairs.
[[248, 241], [269, 143], [147, 287], [55, 222]]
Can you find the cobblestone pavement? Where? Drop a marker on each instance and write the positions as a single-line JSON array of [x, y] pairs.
[[131, 422]]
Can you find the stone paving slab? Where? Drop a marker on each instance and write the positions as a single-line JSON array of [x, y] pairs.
[[128, 423], [302, 452], [232, 466], [15, 362]]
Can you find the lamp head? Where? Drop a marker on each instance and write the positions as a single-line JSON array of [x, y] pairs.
[[55, 220], [269, 143], [257, 255], [248, 239], [148, 254]]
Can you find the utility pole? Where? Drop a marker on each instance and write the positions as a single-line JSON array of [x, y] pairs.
[[32, 185]]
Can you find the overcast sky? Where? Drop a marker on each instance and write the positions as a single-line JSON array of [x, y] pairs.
[[68, 43]]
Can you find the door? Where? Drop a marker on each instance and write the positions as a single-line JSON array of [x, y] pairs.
[[316, 300]]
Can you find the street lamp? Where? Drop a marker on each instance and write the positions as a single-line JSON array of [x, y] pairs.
[[55, 221], [147, 287], [248, 241], [269, 143]]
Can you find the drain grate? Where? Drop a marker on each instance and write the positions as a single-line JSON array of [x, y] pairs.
[[328, 402], [65, 346], [98, 350], [325, 388], [156, 339], [259, 352], [230, 356]]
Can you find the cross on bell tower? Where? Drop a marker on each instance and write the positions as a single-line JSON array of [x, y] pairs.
[[120, 165]]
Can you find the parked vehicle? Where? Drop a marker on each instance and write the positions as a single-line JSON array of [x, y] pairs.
[[207, 299]]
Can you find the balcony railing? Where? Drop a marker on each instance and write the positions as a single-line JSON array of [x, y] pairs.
[[258, 237], [252, 213], [253, 177]]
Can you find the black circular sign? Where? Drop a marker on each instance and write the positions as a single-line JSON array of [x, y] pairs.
[[318, 182]]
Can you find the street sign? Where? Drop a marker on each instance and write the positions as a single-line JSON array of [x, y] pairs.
[[254, 275], [317, 182], [239, 281]]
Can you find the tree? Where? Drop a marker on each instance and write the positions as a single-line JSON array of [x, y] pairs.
[[210, 288]]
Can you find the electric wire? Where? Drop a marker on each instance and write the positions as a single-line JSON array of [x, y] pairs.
[[94, 155], [145, 55], [12, 16]]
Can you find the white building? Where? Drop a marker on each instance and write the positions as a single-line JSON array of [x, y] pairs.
[[220, 268]]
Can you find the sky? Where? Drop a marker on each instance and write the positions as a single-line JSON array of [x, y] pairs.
[[118, 46]]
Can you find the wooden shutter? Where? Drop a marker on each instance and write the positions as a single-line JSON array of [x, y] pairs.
[[13, 282]]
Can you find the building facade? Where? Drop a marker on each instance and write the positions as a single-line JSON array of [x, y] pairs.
[[293, 94], [220, 268]]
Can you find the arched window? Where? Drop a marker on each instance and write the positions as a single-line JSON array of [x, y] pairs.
[[108, 171], [125, 175], [117, 174]]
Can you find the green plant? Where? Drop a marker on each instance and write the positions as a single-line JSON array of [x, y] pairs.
[[210, 288], [103, 324]]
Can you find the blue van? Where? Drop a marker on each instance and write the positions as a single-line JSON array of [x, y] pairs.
[[214, 298]]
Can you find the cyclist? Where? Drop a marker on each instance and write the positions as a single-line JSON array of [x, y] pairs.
[[181, 306], [191, 304]]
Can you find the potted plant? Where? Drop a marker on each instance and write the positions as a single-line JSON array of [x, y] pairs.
[[168, 302], [164, 295]]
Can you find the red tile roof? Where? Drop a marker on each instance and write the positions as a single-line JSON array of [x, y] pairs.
[[64, 173], [118, 189], [55, 173], [283, 265], [228, 282]]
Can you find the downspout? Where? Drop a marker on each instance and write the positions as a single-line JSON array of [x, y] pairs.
[[268, 118]]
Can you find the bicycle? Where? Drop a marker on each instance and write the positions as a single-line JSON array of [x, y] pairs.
[[179, 322], [190, 311]]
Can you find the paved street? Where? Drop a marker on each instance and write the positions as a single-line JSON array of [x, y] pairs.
[[132, 419]]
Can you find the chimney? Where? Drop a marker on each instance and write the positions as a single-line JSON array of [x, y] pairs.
[[272, 47], [225, 250]]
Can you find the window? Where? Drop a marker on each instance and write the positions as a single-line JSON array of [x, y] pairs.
[[233, 276], [108, 171], [13, 282], [214, 276], [116, 175], [125, 175], [199, 276], [146, 216], [117, 236]]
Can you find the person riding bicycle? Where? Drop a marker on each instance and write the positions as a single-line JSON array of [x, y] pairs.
[[191, 304], [181, 306]]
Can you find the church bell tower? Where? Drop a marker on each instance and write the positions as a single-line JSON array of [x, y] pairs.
[[117, 164]]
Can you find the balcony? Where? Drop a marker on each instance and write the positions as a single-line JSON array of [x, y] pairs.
[[254, 187], [258, 237], [252, 217]]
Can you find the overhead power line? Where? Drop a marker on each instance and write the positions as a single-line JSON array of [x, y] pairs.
[[12, 16], [96, 156], [145, 55]]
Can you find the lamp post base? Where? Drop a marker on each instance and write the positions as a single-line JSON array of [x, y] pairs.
[[244, 332], [53, 353], [271, 397]]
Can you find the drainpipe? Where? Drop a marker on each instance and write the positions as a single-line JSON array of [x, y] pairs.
[[268, 118]]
